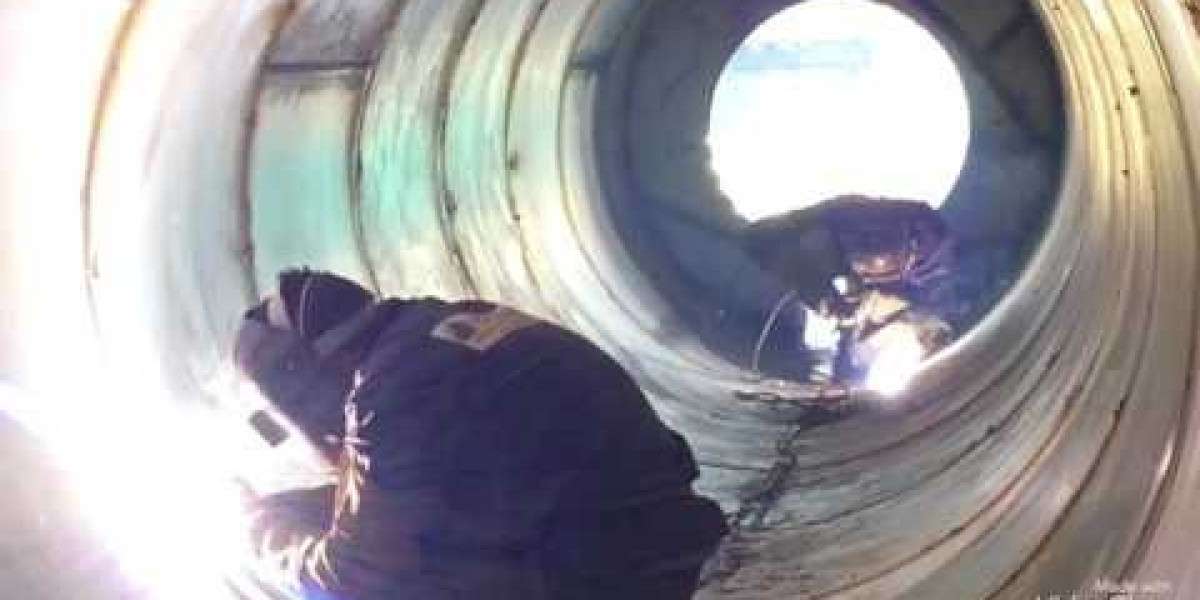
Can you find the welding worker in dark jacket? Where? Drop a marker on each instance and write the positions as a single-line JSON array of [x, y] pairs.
[[481, 454], [867, 261]]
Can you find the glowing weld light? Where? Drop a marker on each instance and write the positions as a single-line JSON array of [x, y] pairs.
[[156, 489], [898, 359], [175, 521]]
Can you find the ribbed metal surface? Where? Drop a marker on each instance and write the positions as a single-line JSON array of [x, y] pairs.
[[463, 162]]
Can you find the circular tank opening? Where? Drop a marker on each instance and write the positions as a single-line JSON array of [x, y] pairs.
[[835, 97]]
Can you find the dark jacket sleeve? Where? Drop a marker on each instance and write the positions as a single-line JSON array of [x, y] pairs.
[[475, 442], [350, 540], [291, 535]]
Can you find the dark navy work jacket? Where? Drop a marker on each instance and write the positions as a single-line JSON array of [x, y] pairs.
[[504, 457]]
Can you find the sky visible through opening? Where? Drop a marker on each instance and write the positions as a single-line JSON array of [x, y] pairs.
[[837, 96]]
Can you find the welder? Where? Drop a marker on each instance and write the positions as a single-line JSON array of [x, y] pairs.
[[480, 453], [868, 263]]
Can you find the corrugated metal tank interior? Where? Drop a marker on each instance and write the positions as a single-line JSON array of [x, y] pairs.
[[161, 160]]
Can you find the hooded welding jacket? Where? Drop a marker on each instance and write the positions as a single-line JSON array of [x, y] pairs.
[[494, 456]]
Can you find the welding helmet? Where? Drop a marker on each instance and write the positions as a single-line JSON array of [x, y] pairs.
[[293, 347], [888, 241]]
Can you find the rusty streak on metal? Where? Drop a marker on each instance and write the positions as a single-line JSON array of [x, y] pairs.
[[355, 161], [446, 203], [112, 74], [514, 159]]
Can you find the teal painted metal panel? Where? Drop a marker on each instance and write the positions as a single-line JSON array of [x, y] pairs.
[[405, 209], [303, 203]]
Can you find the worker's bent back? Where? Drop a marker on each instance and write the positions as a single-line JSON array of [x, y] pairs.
[[494, 456]]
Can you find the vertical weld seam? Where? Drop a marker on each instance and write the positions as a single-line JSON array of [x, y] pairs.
[[107, 91], [514, 211], [357, 217], [355, 177], [245, 203], [446, 87], [246, 249]]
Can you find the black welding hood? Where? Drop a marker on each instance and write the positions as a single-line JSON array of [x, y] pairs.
[[887, 240], [296, 347]]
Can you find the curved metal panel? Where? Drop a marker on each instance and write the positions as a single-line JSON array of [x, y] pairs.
[[405, 213], [165, 192], [302, 199], [479, 161]]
